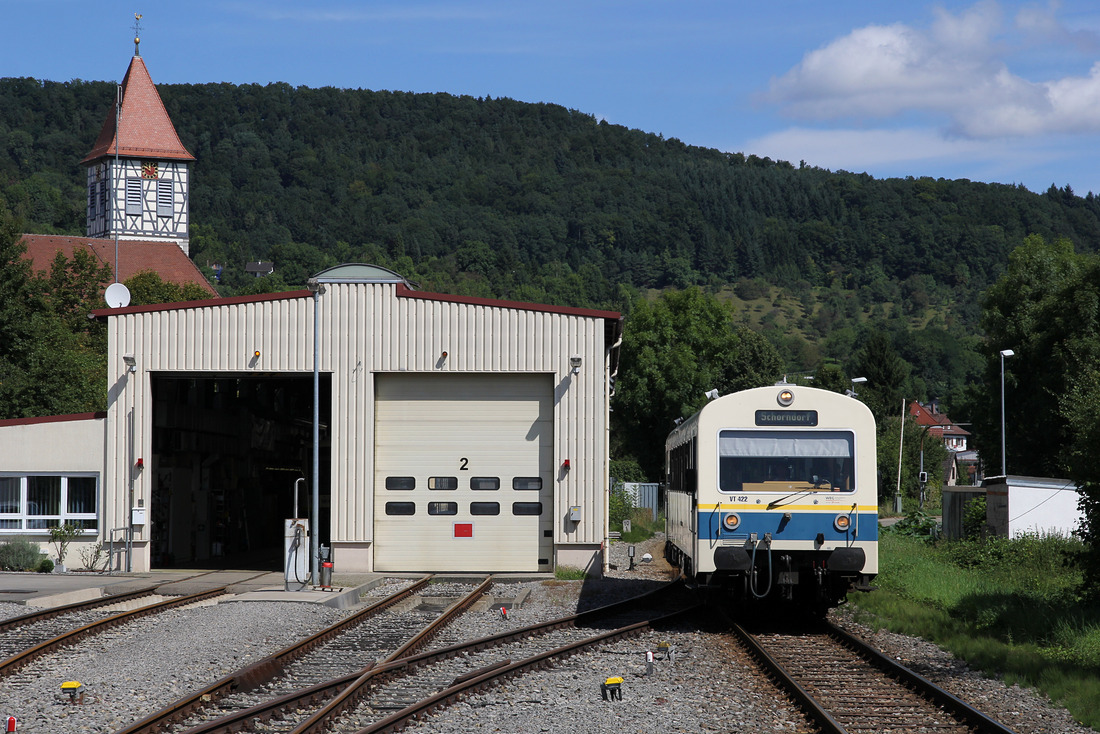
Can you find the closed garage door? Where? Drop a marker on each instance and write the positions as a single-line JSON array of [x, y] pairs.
[[463, 472]]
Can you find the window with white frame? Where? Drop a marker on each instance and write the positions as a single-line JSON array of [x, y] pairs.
[[38, 502]]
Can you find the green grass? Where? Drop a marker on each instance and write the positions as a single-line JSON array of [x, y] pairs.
[[642, 526], [570, 573], [1008, 608]]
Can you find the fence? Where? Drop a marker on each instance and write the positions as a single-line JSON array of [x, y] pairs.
[[644, 495]]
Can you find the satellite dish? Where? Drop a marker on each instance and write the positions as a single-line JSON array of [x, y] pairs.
[[117, 295]]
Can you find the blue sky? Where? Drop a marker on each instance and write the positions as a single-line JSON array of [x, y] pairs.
[[991, 91]]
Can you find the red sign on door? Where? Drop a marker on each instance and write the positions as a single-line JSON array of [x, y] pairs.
[[464, 530]]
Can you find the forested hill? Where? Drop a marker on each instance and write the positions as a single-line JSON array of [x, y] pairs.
[[532, 201]]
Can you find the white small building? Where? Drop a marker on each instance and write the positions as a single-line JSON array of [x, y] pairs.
[[1017, 506]]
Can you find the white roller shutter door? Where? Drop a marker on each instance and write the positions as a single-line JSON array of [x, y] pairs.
[[471, 458]]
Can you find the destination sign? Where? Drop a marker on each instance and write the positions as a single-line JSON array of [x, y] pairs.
[[786, 417]]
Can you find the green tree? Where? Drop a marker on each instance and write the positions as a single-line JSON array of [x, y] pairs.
[[887, 375], [148, 288], [831, 377], [74, 287], [45, 369], [1046, 308], [674, 350], [919, 449]]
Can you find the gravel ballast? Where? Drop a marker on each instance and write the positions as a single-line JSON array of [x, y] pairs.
[[708, 685]]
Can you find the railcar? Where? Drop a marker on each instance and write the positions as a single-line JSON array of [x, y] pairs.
[[771, 496]]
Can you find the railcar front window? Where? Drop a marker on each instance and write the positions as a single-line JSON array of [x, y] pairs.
[[786, 461]]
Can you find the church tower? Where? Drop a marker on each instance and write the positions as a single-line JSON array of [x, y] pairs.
[[138, 171]]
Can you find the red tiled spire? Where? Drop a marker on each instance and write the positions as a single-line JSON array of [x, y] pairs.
[[147, 131]]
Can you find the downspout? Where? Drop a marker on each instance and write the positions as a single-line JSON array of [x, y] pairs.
[[611, 369]]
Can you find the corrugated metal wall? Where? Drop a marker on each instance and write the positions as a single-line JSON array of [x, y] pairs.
[[367, 328]]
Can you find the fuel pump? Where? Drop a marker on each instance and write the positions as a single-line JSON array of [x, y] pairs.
[[296, 549]]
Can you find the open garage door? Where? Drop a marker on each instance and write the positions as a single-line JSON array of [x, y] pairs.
[[227, 449], [463, 472]]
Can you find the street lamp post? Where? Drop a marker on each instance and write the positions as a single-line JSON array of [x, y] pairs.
[[1004, 463]]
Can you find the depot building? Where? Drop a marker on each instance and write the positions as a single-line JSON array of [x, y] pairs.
[[447, 433], [452, 433]]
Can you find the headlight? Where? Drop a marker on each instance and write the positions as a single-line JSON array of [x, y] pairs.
[[785, 397], [842, 523], [731, 521]]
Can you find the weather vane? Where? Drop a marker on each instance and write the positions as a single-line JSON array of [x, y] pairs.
[[137, 33]]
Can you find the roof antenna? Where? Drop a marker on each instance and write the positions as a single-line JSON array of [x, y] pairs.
[[137, 33]]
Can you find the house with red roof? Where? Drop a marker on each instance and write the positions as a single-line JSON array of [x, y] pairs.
[[138, 192], [961, 465], [954, 437]]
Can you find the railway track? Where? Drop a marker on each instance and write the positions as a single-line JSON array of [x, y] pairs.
[[25, 631], [401, 680], [28, 637], [845, 685], [393, 625], [383, 698], [439, 689]]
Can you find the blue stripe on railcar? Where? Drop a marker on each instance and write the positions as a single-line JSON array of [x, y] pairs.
[[801, 526]]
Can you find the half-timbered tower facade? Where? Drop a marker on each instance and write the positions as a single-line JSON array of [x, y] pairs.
[[139, 171]]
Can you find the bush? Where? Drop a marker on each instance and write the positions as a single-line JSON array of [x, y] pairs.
[[916, 524], [94, 557], [974, 518], [19, 555], [45, 566], [620, 505], [61, 536]]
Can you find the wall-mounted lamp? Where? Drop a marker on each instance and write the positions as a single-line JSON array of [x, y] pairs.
[[575, 364], [130, 362]]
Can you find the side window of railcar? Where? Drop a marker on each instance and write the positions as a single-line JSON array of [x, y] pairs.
[[442, 482], [786, 461], [484, 482]]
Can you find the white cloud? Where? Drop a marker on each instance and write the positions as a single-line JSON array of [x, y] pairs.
[[954, 70]]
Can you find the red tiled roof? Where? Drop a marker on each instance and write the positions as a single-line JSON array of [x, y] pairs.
[[166, 259], [937, 420], [147, 131]]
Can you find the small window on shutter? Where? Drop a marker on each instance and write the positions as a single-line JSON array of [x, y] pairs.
[[91, 201], [133, 196], [102, 197], [165, 199]]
